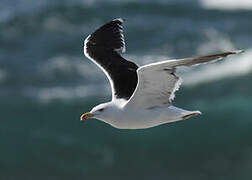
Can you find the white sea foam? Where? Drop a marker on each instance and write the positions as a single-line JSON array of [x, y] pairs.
[[69, 65], [214, 42], [227, 4], [45, 95], [235, 65], [74, 67]]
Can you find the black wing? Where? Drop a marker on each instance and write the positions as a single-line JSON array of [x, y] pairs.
[[101, 47]]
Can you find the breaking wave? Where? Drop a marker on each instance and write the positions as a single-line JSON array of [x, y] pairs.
[[45, 95], [227, 4], [70, 66], [236, 65]]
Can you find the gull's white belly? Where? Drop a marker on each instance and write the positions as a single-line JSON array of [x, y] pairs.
[[133, 118]]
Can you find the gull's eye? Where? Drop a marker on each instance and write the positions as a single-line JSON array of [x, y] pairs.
[[101, 109]]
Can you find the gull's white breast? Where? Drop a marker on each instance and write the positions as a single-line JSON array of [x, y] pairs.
[[135, 118]]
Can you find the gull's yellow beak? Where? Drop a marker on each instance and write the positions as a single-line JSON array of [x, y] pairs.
[[86, 116]]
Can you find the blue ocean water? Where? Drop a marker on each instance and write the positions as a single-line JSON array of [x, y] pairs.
[[46, 83]]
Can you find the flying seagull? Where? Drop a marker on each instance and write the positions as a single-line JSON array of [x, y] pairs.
[[141, 96]]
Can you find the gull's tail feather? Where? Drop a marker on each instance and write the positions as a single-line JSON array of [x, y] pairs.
[[177, 114], [191, 114]]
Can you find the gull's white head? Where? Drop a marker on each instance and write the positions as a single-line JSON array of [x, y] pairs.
[[102, 111]]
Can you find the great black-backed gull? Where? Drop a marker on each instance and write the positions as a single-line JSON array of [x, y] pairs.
[[141, 96]]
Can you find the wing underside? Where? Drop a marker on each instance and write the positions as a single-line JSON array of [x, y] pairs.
[[157, 82]]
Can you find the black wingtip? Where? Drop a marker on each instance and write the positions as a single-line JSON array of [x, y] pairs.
[[120, 19], [107, 37]]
